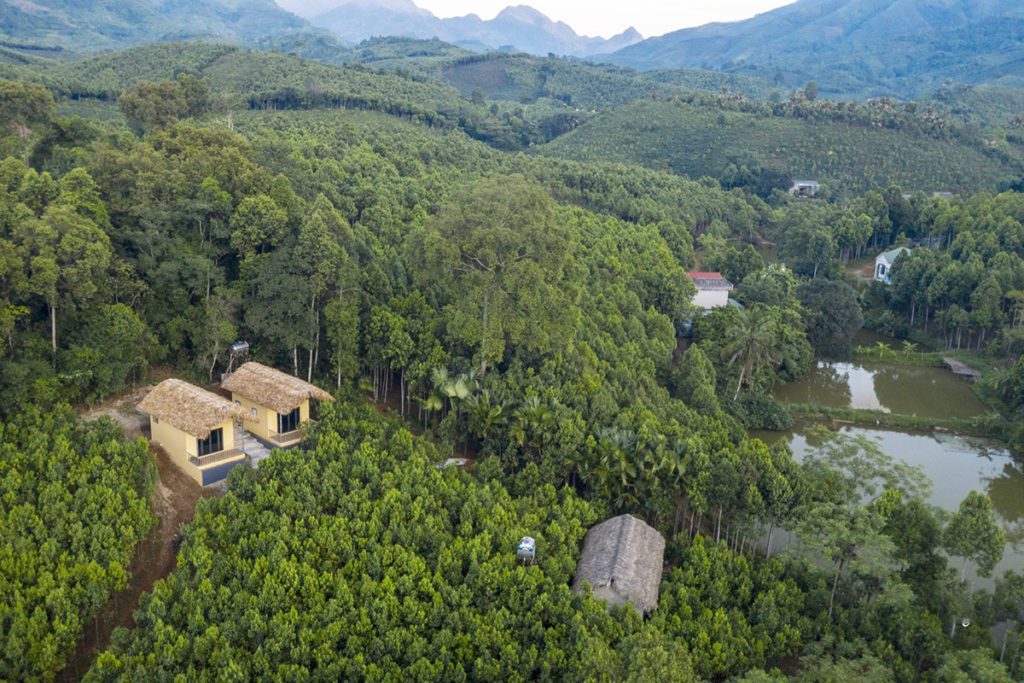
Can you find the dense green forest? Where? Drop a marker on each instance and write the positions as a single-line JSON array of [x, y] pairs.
[[688, 122], [383, 234], [74, 505]]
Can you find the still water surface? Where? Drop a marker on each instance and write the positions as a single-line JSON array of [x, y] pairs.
[[899, 389], [955, 465]]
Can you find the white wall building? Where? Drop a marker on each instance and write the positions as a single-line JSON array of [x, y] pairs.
[[885, 261], [712, 290]]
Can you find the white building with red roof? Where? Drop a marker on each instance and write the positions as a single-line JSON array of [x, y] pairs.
[[712, 290]]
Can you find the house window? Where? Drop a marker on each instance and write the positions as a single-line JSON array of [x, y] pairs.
[[288, 423], [253, 411], [211, 444]]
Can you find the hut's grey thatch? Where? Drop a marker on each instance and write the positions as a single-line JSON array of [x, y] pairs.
[[189, 408], [272, 388], [622, 560]]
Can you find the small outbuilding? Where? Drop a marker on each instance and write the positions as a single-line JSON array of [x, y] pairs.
[[805, 189], [712, 290], [622, 561], [276, 403], [885, 261], [196, 428]]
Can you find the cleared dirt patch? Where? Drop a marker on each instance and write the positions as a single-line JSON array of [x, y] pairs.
[[121, 407], [174, 503]]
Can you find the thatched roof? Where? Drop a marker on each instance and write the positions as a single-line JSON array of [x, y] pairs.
[[189, 408], [272, 388], [625, 555]]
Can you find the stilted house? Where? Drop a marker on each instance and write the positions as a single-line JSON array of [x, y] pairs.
[[276, 403], [622, 561], [196, 428]]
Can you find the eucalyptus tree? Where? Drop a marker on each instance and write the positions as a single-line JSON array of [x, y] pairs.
[[974, 534], [66, 255], [851, 484], [496, 256]]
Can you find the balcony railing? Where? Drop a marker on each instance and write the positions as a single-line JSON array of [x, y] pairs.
[[214, 458], [286, 438]]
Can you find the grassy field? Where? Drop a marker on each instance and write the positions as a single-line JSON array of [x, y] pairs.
[[990, 425]]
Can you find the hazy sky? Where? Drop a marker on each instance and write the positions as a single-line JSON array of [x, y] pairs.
[[604, 18]]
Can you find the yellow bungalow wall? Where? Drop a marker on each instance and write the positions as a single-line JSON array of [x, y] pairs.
[[181, 446], [264, 424]]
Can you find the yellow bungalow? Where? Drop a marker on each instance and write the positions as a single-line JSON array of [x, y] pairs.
[[276, 403], [196, 428]]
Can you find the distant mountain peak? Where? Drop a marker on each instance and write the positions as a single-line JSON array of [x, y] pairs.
[[523, 13], [516, 27], [840, 44]]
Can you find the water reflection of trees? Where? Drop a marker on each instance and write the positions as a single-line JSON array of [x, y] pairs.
[[1007, 494], [826, 385], [909, 390], [899, 389]]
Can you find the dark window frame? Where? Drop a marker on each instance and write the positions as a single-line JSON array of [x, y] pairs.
[[289, 420], [214, 443]]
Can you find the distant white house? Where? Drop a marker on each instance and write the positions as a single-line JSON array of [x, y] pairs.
[[885, 261], [712, 290], [805, 188]]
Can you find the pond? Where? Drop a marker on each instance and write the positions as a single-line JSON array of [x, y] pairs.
[[955, 465], [900, 389]]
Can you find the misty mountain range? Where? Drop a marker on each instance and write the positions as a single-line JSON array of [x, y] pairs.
[[902, 47], [520, 28], [851, 47], [96, 25]]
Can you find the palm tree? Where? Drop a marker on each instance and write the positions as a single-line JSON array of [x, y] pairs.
[[534, 423], [616, 469], [882, 348], [485, 416], [751, 343]]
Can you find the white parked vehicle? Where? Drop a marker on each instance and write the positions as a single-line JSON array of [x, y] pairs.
[[527, 550]]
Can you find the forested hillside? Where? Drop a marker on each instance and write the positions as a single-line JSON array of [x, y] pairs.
[[854, 48], [848, 150], [85, 27], [676, 121], [382, 234], [73, 505]]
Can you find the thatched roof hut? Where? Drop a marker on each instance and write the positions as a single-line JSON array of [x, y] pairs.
[[622, 560], [189, 408], [272, 388]]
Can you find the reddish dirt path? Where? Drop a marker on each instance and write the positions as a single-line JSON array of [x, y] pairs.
[[174, 503]]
